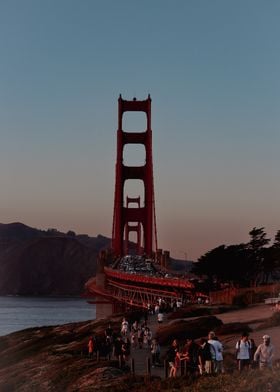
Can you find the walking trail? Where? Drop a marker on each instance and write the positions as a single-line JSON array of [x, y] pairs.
[[250, 315], [140, 355]]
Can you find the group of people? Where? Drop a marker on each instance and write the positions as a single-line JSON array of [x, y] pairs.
[[206, 355], [118, 345], [248, 354]]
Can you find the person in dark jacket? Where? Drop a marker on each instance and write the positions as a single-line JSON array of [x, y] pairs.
[[205, 357], [171, 357], [190, 356]]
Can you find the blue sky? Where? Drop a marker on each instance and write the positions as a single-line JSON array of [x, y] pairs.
[[212, 69]]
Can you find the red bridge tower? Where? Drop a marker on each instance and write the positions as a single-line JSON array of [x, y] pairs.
[[139, 216]]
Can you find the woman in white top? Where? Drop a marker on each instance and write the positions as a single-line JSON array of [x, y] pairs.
[[243, 352]]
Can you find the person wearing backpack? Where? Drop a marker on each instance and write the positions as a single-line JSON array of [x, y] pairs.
[[243, 352]]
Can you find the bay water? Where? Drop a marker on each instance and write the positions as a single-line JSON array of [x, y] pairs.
[[17, 313]]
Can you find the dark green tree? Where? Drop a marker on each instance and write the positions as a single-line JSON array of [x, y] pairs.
[[272, 259], [257, 268], [224, 264], [276, 243], [243, 264]]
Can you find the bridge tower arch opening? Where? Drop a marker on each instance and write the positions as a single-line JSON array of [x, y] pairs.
[[141, 219]]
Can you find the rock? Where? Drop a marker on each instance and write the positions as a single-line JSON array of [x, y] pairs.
[[182, 329], [233, 328]]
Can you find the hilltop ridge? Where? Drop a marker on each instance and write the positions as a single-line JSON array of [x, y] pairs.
[[38, 262]]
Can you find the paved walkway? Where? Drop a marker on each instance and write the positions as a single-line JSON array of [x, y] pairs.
[[140, 355]]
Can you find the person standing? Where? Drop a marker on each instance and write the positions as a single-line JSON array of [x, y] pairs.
[[172, 358], [109, 334], [218, 352], [160, 317], [118, 352], [190, 356], [124, 327], [90, 347], [205, 356], [264, 353], [243, 352], [155, 351]]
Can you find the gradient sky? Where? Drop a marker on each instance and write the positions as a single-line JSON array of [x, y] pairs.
[[212, 69]]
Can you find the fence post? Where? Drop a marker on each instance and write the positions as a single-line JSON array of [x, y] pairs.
[[166, 368], [182, 368], [120, 361], [186, 367], [132, 366], [148, 366]]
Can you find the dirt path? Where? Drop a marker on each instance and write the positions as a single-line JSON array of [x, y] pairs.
[[248, 315], [254, 313]]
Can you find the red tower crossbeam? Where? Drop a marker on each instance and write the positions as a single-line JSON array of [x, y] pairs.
[[133, 228], [144, 216]]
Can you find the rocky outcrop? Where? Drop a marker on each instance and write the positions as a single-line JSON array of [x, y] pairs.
[[55, 359], [183, 328]]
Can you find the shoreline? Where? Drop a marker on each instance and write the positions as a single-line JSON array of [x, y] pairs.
[[53, 358]]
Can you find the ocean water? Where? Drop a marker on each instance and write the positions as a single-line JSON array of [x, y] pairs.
[[18, 313]]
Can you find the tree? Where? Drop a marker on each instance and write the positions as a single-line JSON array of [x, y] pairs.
[[71, 233], [273, 258], [258, 240], [276, 243], [224, 264], [257, 251], [243, 264]]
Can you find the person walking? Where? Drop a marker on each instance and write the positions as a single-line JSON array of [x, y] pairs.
[[264, 353]]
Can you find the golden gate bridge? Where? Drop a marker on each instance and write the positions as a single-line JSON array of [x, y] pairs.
[[126, 275]]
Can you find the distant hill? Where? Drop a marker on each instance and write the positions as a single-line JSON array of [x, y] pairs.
[[38, 262]]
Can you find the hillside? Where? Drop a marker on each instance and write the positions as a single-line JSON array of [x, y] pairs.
[[55, 358], [37, 262]]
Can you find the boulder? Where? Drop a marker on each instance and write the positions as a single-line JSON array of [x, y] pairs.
[[181, 329]]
